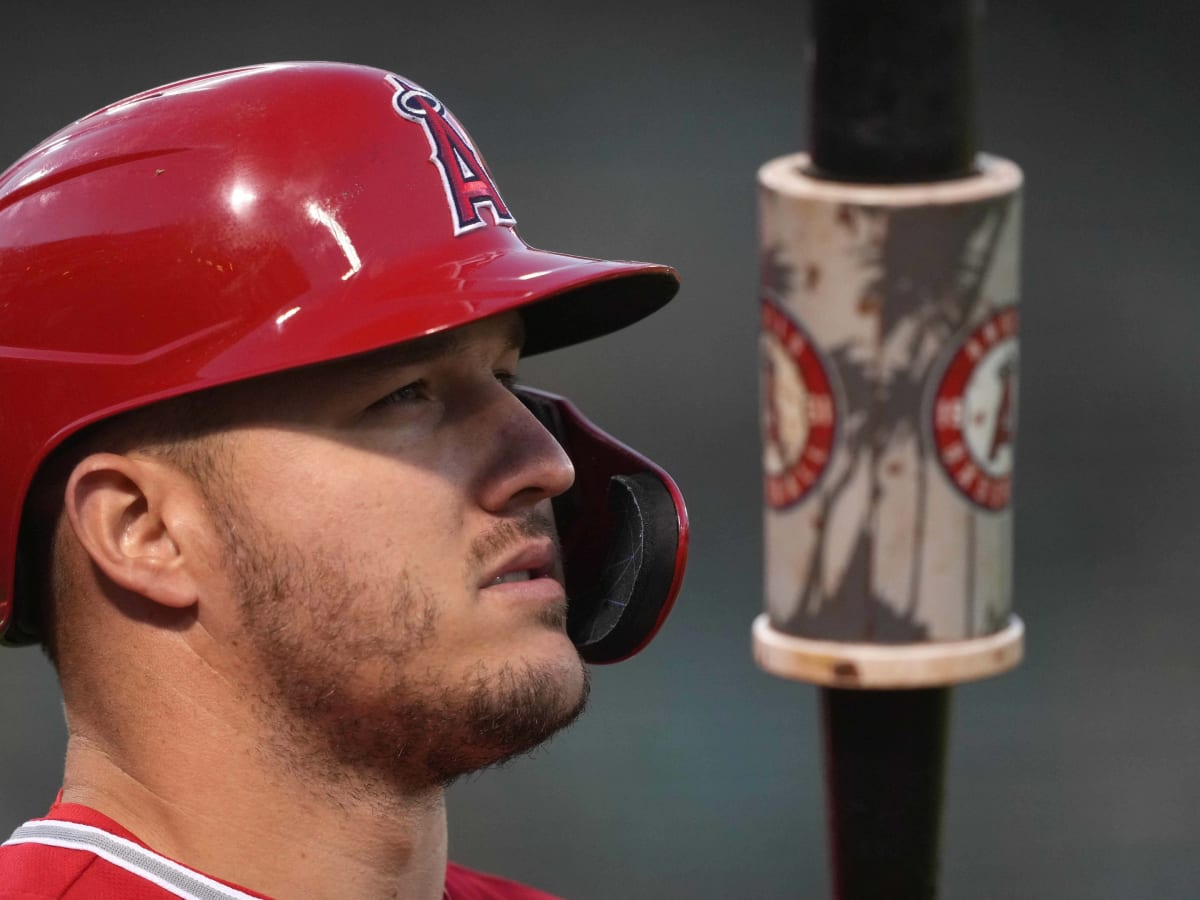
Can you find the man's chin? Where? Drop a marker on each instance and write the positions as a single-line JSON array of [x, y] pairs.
[[521, 709]]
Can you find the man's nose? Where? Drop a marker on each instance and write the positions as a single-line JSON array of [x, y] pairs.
[[526, 463]]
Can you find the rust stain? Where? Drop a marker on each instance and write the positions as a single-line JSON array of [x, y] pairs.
[[870, 304], [845, 216], [846, 672], [812, 276], [895, 467]]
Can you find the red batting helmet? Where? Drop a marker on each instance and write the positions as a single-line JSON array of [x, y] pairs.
[[276, 216]]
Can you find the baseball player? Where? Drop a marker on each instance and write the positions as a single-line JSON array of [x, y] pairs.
[[301, 550]]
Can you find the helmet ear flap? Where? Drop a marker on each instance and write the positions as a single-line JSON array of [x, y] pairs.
[[624, 533]]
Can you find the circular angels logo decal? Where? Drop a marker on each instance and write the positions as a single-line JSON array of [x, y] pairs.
[[798, 410], [974, 412]]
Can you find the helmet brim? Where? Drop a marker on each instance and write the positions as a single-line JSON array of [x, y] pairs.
[[563, 300]]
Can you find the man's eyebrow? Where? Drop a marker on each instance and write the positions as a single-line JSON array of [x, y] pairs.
[[376, 363]]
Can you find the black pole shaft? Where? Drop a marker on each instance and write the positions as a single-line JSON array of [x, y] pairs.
[[885, 764], [892, 86]]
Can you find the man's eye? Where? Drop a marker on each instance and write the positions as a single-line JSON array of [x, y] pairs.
[[508, 379], [414, 392]]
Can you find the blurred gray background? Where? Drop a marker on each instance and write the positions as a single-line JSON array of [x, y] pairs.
[[634, 130]]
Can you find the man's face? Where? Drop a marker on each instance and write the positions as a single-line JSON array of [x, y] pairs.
[[385, 526]]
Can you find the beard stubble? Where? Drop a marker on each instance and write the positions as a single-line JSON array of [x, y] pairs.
[[356, 704]]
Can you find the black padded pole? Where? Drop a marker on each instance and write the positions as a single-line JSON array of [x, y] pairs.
[[885, 765], [891, 103], [892, 89]]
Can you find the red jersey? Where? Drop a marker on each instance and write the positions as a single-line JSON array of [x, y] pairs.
[[75, 853]]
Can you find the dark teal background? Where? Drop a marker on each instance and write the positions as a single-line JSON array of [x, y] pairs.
[[634, 130]]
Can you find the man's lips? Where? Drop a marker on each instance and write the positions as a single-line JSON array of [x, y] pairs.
[[529, 561]]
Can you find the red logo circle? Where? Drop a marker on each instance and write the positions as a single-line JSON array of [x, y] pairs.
[[799, 413], [975, 412]]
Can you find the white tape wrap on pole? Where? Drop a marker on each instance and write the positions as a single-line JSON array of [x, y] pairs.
[[889, 404]]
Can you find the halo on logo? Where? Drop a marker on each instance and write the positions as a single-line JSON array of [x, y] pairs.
[[799, 413], [415, 103], [974, 412]]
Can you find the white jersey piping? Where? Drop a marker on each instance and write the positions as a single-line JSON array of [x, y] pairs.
[[125, 854]]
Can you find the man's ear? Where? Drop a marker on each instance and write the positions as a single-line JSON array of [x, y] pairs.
[[125, 512]]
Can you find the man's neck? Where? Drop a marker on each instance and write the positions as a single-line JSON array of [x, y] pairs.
[[217, 806]]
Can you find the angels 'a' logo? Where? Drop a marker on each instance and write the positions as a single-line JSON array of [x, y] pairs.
[[798, 412], [468, 185], [975, 409]]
